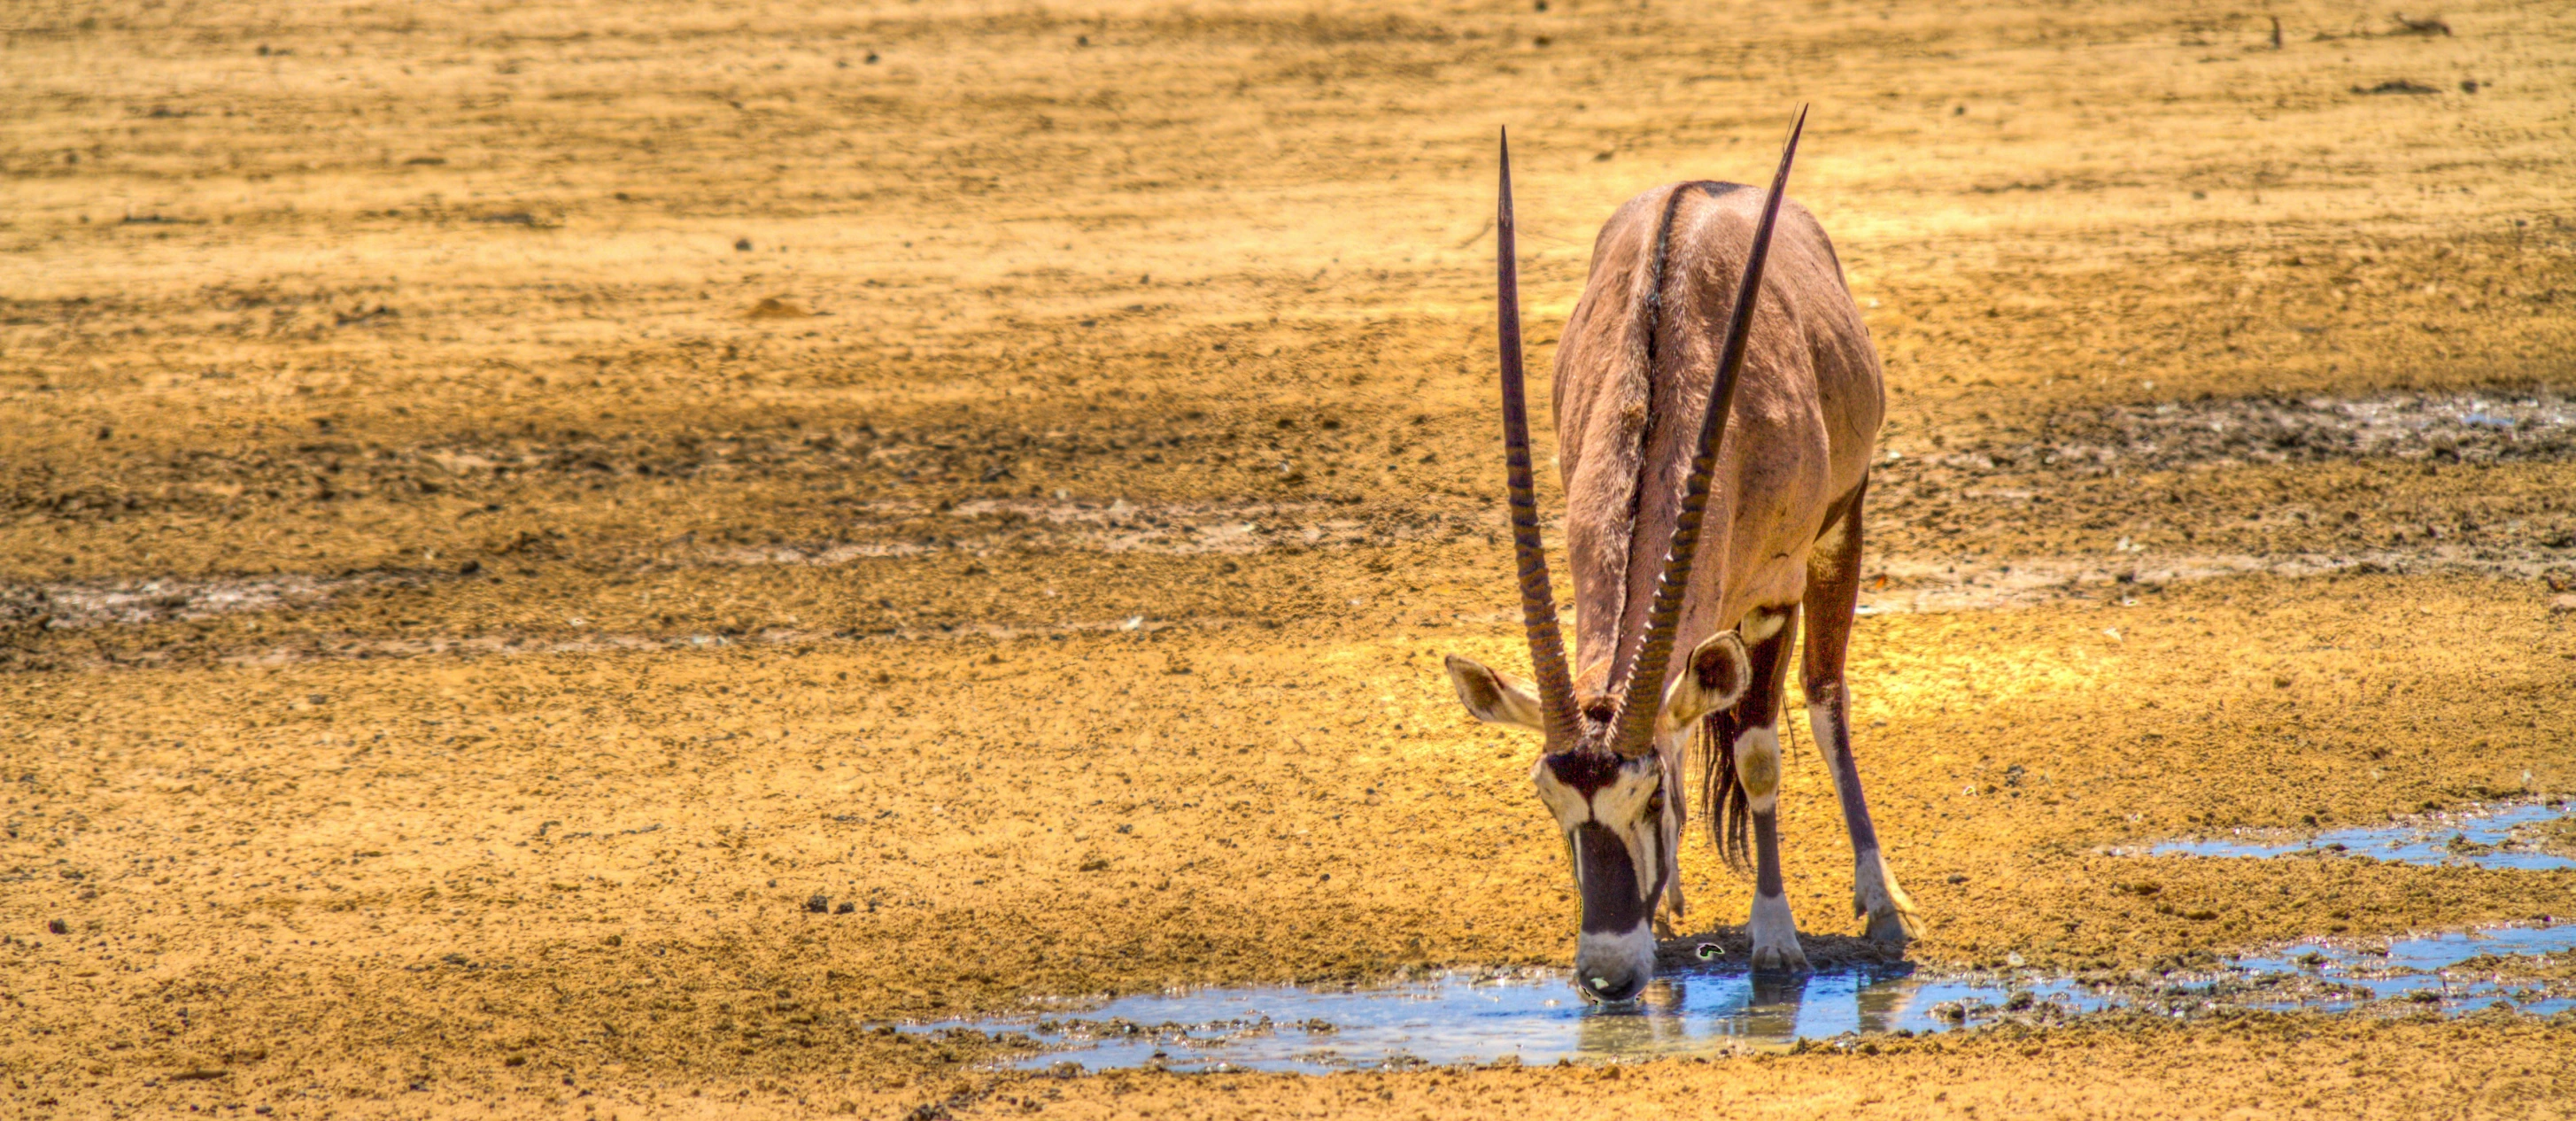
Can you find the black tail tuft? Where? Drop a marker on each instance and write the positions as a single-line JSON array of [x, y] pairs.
[[1728, 811]]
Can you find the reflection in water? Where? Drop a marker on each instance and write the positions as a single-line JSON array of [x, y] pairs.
[[1882, 1006], [1764, 1010], [1536, 1017], [1759, 1012], [1656, 1024]]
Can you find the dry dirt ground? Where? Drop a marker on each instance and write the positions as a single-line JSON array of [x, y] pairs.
[[501, 505]]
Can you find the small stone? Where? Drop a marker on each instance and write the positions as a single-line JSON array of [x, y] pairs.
[[57, 926], [819, 904]]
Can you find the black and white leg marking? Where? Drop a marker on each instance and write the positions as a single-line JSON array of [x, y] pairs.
[[1833, 591], [1751, 732]]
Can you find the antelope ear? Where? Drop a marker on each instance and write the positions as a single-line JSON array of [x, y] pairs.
[[1492, 697], [1714, 678]]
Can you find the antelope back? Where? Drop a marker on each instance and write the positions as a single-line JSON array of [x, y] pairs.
[[1633, 375]]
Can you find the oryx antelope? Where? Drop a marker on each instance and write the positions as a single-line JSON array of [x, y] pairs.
[[1684, 403]]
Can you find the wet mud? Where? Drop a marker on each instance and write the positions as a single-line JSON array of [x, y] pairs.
[[2526, 836]]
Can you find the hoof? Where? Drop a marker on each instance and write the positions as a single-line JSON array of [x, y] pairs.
[[1894, 927], [1775, 937], [1784, 958], [1892, 919]]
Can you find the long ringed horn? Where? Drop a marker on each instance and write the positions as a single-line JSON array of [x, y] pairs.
[[1637, 709], [1538, 597]]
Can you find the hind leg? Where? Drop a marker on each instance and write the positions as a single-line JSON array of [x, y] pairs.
[[1751, 731], [1833, 591]]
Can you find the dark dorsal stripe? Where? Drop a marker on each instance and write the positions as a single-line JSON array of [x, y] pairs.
[[1662, 261], [1654, 326]]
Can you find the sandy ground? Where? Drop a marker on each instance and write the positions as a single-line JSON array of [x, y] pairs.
[[502, 508]]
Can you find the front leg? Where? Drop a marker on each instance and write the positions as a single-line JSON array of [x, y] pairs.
[[1754, 745], [1775, 932]]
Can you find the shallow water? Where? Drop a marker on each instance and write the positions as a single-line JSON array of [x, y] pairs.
[[2495, 838], [2408, 967], [1536, 1017]]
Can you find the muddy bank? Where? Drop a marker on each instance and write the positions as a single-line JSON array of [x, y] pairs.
[[142, 602], [1917, 584], [1368, 560], [2488, 427]]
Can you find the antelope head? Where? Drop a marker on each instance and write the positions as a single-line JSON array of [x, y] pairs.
[[1609, 770]]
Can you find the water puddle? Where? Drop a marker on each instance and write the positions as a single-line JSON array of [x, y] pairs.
[[2457, 971], [2535, 837], [1536, 1017]]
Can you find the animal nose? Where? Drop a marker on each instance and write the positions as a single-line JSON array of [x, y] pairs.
[[1614, 967], [1613, 985]]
